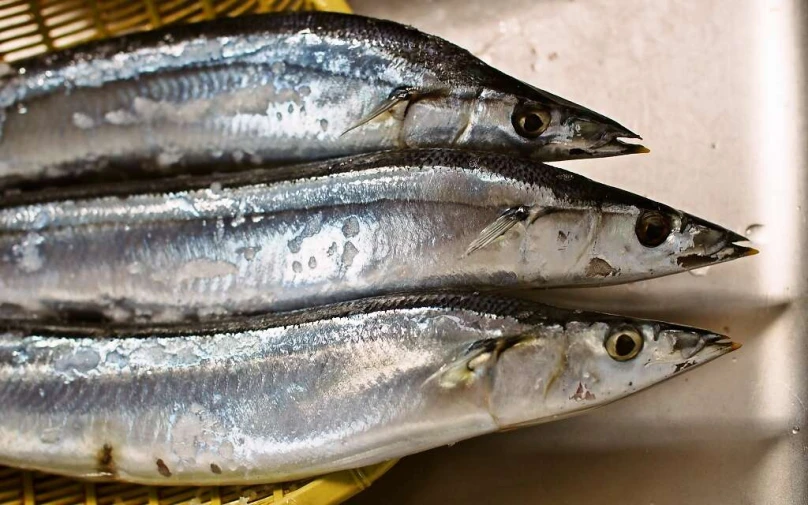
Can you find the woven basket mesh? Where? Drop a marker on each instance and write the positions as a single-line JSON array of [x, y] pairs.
[[18, 487], [28, 28]]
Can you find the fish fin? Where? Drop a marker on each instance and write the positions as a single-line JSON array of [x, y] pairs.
[[466, 371], [499, 227], [399, 95], [475, 363], [561, 366]]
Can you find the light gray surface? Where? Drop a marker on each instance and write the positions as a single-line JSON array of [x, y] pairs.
[[715, 88]]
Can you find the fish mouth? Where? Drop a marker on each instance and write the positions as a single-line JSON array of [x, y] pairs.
[[709, 347], [728, 250], [721, 343], [626, 148], [617, 147]]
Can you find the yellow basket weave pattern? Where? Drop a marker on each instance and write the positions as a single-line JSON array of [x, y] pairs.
[[28, 28], [18, 487]]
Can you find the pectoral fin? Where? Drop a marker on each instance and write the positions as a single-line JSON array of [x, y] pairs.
[[399, 95], [499, 227], [475, 363]]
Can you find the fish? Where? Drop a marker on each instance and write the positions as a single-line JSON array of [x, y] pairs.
[[296, 394], [324, 232], [272, 89]]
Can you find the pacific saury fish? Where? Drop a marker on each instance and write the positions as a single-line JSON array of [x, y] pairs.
[[270, 89], [291, 395], [335, 230]]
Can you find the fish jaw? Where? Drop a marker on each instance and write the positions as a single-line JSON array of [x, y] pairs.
[[711, 244], [614, 147]]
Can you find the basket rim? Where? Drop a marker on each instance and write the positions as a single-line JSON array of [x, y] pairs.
[[19, 487]]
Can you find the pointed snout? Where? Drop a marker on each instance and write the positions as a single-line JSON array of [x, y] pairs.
[[605, 136], [618, 147], [703, 346], [713, 244], [721, 343]]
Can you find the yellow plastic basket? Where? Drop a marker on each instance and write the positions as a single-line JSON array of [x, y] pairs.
[[28, 28], [19, 487], [31, 27]]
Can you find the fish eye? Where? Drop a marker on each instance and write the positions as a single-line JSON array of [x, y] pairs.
[[653, 228], [530, 122], [624, 344]]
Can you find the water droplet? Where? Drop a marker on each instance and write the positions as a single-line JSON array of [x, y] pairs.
[[312, 262], [279, 116], [83, 121], [22, 109], [324, 124], [168, 158], [238, 221], [699, 272], [795, 430], [756, 233], [297, 267], [734, 360], [50, 436], [216, 188], [249, 253], [278, 67], [19, 358], [21, 71]]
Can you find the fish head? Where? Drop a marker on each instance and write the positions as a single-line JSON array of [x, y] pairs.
[[624, 243], [519, 119], [592, 360]]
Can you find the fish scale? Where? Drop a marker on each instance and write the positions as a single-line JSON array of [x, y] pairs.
[[295, 394]]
